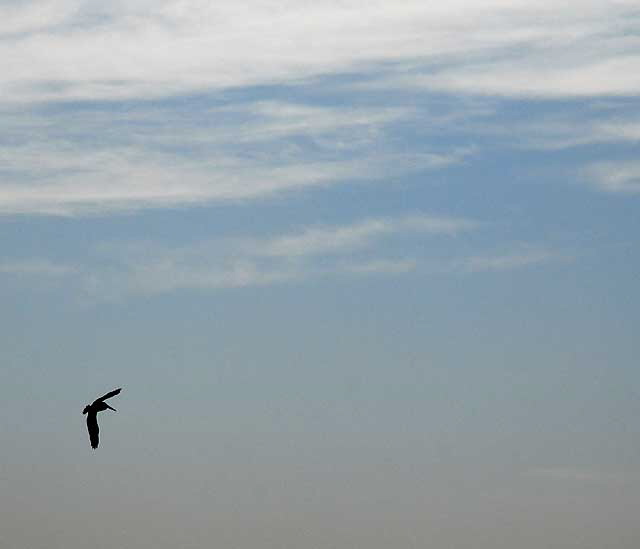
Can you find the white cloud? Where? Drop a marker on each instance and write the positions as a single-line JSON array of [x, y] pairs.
[[70, 161], [619, 130], [20, 17], [101, 183], [382, 266], [543, 76], [509, 261], [579, 49], [97, 161], [277, 119], [86, 50], [388, 246], [554, 132], [148, 268], [615, 177], [338, 240]]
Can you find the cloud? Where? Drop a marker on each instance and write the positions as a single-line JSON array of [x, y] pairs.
[[617, 129], [277, 120], [509, 261], [72, 49], [21, 18], [148, 268], [385, 246], [81, 135], [338, 240], [615, 177], [540, 77], [558, 131], [97, 161], [582, 49], [381, 266], [132, 181]]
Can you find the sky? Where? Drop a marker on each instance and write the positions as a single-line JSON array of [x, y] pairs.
[[367, 273]]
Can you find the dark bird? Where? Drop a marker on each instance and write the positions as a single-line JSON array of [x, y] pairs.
[[98, 405]]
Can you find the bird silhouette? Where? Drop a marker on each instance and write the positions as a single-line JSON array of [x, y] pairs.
[[98, 405]]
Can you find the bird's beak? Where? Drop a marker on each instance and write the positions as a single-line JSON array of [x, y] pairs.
[[110, 408]]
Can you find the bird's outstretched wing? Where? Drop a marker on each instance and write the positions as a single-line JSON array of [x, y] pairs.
[[108, 395], [92, 427]]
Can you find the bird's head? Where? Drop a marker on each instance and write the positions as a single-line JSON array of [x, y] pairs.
[[86, 409]]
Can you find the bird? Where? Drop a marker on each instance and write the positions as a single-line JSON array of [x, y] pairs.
[[98, 405]]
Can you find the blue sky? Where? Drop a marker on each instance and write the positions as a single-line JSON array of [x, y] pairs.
[[367, 272]]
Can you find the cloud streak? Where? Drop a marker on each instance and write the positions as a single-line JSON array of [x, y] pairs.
[[97, 162], [384, 246], [148, 269], [72, 49], [122, 183], [338, 240], [615, 177], [509, 261]]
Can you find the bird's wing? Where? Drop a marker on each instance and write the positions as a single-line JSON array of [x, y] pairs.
[[108, 395], [92, 427]]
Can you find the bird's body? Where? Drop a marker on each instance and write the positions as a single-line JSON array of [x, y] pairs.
[[98, 405]]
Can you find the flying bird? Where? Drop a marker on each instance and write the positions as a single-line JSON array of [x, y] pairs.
[[98, 405]]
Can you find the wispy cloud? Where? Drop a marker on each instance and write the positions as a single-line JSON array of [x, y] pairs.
[[615, 177], [97, 162], [536, 77], [75, 49], [559, 131], [148, 268], [584, 49], [385, 246], [340, 239], [133, 181], [80, 135], [276, 120], [381, 266], [510, 260]]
